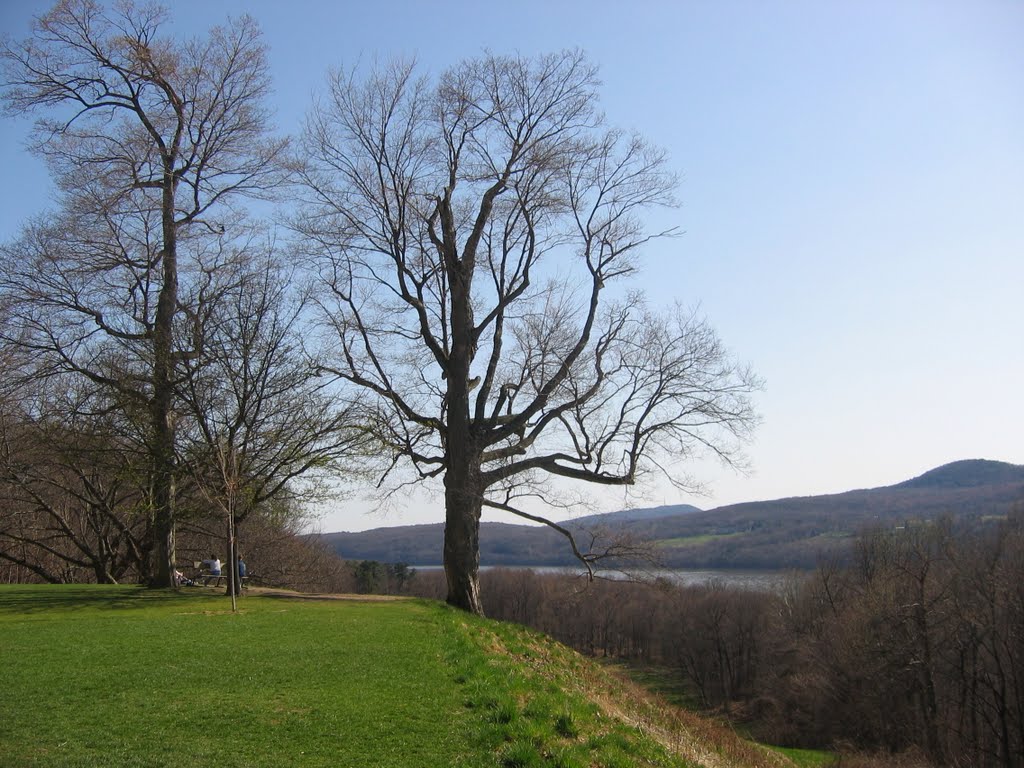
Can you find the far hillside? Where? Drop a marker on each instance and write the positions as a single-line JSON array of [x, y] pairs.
[[797, 532], [783, 533], [634, 515]]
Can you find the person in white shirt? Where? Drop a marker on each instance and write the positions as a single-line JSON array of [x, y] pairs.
[[214, 565]]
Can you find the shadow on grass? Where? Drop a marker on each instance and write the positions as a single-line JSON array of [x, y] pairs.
[[42, 598]]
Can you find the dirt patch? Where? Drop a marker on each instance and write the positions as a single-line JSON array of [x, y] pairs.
[[292, 595]]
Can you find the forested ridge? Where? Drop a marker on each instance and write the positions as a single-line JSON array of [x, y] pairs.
[[785, 533]]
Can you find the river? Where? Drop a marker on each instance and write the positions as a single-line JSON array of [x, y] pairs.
[[764, 581]]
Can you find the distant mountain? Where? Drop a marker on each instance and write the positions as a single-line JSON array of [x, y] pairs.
[[967, 474], [778, 534]]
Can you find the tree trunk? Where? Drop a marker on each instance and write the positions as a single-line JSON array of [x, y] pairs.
[[462, 480], [231, 566], [163, 395], [462, 547], [162, 574], [463, 488], [234, 581]]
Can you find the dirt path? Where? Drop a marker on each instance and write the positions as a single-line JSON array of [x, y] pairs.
[[291, 594]]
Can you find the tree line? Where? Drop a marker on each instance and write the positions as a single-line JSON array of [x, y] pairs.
[[916, 646], [441, 294]]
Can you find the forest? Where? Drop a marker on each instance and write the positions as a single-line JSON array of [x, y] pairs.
[[914, 650]]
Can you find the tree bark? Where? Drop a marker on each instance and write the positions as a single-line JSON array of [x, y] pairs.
[[463, 481], [163, 396], [462, 548], [463, 504], [234, 580]]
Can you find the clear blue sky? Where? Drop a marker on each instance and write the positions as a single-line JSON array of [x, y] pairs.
[[853, 201]]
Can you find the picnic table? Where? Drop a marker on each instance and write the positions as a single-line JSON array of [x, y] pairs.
[[206, 577]]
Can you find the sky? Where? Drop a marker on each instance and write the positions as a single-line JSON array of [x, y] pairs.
[[852, 200]]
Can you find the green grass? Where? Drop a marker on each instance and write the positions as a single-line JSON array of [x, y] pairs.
[[121, 676], [101, 676], [808, 758], [535, 711], [696, 540], [665, 682]]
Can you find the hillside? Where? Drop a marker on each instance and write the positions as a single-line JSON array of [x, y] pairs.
[[797, 532], [633, 515], [970, 473], [123, 676], [777, 534]]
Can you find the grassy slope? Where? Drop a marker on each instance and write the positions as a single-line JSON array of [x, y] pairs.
[[118, 676]]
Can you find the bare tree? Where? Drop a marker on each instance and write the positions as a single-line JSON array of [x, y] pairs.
[[72, 493], [475, 237], [148, 139], [261, 422]]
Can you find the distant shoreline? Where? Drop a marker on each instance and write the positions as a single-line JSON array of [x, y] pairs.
[[768, 579]]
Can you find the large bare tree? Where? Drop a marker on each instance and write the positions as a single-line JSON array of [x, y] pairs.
[[149, 138], [476, 234]]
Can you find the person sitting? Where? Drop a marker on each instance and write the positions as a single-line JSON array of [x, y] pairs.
[[213, 564], [181, 580]]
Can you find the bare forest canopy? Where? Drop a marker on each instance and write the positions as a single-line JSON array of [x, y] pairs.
[[784, 533]]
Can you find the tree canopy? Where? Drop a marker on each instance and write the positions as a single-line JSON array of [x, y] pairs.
[[469, 242], [475, 236]]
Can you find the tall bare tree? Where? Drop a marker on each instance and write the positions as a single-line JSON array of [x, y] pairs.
[[475, 236], [149, 139]]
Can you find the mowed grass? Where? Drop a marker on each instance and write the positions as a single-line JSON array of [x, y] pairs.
[[113, 676], [122, 676]]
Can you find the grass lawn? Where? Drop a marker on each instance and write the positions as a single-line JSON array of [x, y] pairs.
[[122, 676], [102, 676]]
